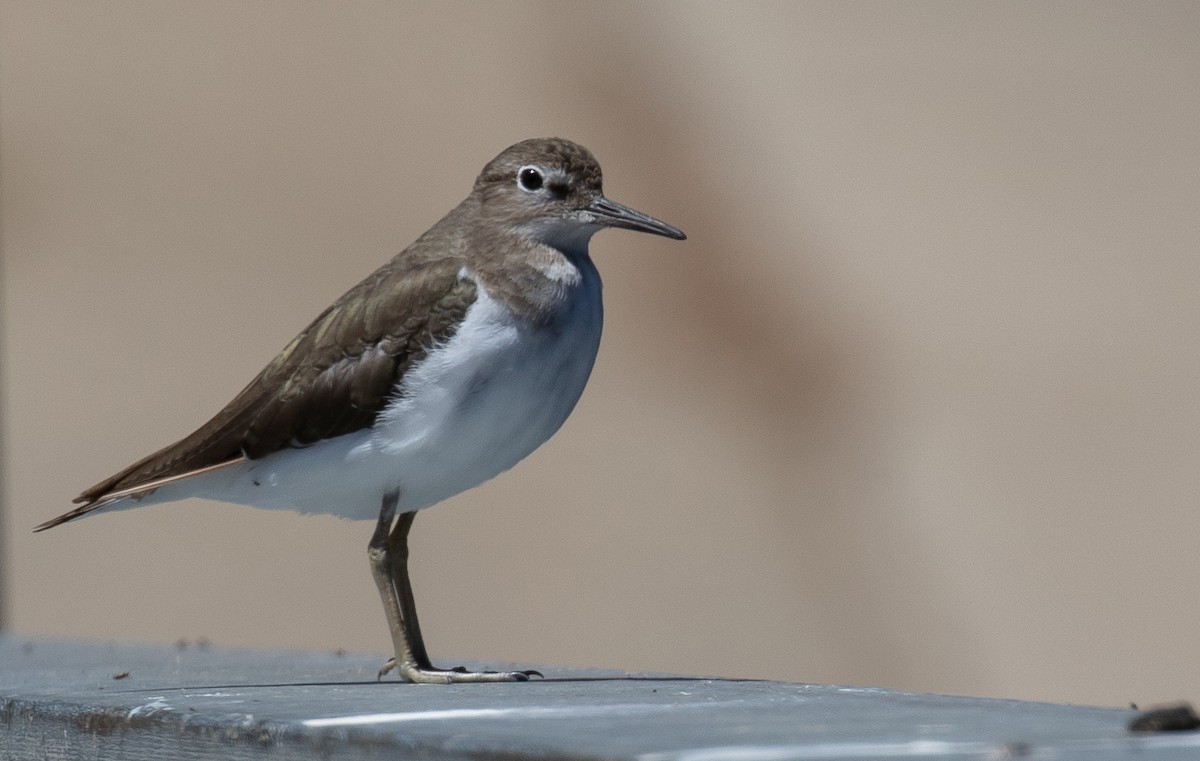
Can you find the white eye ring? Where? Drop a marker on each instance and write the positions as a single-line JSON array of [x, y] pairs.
[[530, 178]]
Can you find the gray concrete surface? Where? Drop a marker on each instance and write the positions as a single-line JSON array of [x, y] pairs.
[[65, 700]]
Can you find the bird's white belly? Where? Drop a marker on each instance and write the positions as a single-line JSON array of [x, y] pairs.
[[473, 408]]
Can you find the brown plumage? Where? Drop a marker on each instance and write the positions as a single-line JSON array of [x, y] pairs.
[[337, 375], [332, 379]]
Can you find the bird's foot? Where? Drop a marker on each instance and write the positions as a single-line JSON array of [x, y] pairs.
[[430, 675]]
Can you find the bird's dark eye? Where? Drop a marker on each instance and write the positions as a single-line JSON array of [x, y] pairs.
[[530, 178]]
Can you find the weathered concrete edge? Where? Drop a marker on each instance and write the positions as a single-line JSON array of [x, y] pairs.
[[33, 729]]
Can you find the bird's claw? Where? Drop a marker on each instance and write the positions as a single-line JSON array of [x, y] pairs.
[[459, 674]]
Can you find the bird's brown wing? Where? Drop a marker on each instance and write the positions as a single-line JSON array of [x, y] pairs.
[[332, 379]]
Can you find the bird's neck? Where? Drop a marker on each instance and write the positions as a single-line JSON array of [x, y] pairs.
[[535, 280]]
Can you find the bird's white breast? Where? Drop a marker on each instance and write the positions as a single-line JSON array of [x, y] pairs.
[[472, 408]]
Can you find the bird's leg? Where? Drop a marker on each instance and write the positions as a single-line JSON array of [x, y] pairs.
[[388, 553], [383, 565]]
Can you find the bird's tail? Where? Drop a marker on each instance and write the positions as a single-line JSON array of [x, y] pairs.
[[78, 512], [93, 499]]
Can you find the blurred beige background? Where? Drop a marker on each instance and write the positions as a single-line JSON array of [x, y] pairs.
[[917, 405]]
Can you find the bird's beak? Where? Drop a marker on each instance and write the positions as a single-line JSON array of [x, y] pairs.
[[612, 214]]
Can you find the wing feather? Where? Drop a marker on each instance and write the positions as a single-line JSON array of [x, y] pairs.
[[332, 379]]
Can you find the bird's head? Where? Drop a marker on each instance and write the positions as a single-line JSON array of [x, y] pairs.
[[550, 190]]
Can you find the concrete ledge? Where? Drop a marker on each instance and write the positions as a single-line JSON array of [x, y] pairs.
[[65, 700]]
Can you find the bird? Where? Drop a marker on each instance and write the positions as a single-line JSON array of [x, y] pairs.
[[443, 368]]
